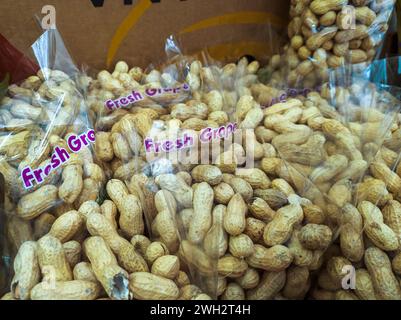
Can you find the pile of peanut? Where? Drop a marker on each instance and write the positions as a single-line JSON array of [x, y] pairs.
[[326, 34], [321, 195]]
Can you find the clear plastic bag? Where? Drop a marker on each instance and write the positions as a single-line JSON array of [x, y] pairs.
[[333, 148], [369, 230], [329, 34], [47, 161], [165, 147]]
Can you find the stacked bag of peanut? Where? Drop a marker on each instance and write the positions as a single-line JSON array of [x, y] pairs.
[[364, 261], [47, 164], [263, 226], [67, 241], [326, 34], [207, 193]]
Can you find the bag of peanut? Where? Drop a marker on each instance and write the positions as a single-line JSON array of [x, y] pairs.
[[338, 148], [49, 173], [363, 262], [205, 186], [13, 65], [174, 152], [327, 34]]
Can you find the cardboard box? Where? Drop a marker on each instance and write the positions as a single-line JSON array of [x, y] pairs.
[[101, 32]]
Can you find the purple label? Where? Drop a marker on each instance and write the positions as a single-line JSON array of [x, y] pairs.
[[136, 96], [206, 135], [59, 157]]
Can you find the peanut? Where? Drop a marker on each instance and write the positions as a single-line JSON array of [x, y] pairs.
[[147, 286], [66, 290], [67, 226], [113, 278], [375, 228], [234, 219], [98, 225], [72, 251], [52, 259], [276, 258], [280, 228], [202, 219], [32, 205], [270, 284], [315, 236], [27, 272], [166, 266], [241, 246], [384, 281], [297, 283], [351, 233], [232, 267], [233, 292]]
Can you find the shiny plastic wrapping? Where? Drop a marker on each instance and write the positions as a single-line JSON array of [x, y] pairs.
[[324, 35], [164, 146], [195, 180], [46, 157], [337, 148]]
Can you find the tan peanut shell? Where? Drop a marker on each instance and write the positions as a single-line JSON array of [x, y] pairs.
[[72, 184], [270, 284], [67, 226], [392, 217], [182, 279], [155, 250], [351, 233], [234, 219], [315, 236], [113, 278], [178, 187], [396, 263], [84, 271], [233, 292], [147, 286], [27, 271], [276, 258], [166, 266], [202, 219], [42, 225], [384, 281], [254, 229], [280, 228], [302, 256], [216, 239], [72, 251], [129, 259], [297, 284], [33, 204], [131, 218], [223, 192], [166, 228], [109, 210], [207, 173], [241, 246], [52, 259], [66, 290], [249, 279], [231, 266], [364, 286], [260, 209], [140, 243], [375, 228]]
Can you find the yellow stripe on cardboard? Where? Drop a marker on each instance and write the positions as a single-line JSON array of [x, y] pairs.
[[244, 17], [235, 50], [232, 18], [128, 23]]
